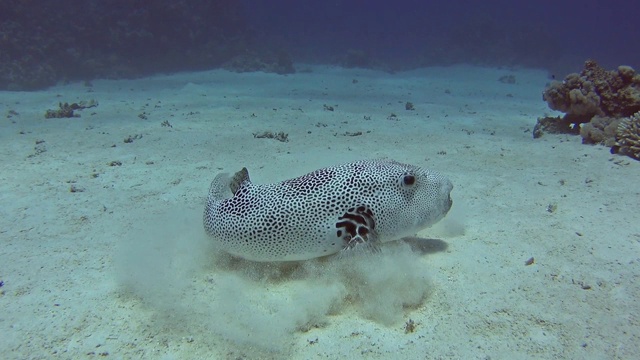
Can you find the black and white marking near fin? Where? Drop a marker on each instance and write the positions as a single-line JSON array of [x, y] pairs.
[[357, 228], [357, 247]]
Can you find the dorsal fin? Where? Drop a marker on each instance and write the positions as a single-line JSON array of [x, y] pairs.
[[238, 178]]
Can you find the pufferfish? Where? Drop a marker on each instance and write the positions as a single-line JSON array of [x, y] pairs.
[[357, 204]]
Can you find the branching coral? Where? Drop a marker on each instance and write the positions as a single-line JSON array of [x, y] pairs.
[[628, 137]]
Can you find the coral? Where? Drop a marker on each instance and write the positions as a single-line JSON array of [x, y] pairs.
[[507, 79], [619, 89], [628, 137], [553, 125], [66, 110], [595, 91], [575, 96], [600, 130], [599, 104], [280, 136]]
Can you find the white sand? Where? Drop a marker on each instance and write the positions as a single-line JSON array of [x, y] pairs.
[[123, 267]]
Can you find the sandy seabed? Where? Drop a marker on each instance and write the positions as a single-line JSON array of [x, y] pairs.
[[103, 254]]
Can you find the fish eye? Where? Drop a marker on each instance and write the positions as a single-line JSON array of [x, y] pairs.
[[409, 180]]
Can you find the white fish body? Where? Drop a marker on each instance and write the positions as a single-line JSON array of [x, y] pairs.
[[325, 211]]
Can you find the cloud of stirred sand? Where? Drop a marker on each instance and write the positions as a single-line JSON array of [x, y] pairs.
[[172, 267]]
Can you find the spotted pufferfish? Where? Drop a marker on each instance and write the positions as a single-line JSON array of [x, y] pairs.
[[358, 204]]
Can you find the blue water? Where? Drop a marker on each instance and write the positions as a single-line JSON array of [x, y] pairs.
[[565, 32], [83, 40]]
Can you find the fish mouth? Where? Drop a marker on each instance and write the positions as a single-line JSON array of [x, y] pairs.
[[446, 206], [448, 202]]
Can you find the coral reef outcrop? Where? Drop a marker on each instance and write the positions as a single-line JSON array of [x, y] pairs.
[[600, 130], [603, 106], [553, 125], [628, 137], [595, 91]]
